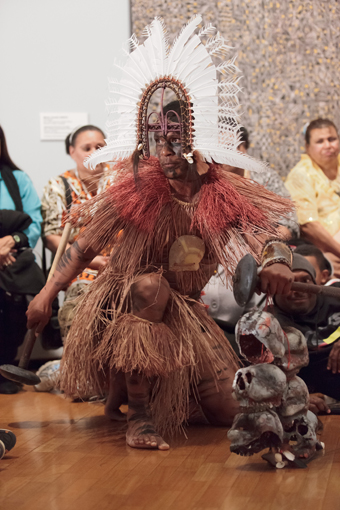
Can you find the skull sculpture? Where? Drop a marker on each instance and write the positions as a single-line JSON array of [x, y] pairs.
[[262, 384], [259, 389], [273, 400], [253, 432], [295, 399], [300, 434], [260, 337]]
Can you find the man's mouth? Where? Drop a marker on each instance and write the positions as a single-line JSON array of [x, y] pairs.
[[300, 299]]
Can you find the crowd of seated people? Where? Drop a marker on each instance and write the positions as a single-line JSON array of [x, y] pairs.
[[313, 184]]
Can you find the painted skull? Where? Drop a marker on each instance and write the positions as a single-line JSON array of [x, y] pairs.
[[260, 337], [254, 432], [295, 398], [256, 385], [300, 434], [296, 354]]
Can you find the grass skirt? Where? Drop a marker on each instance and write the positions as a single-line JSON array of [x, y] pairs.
[[105, 336]]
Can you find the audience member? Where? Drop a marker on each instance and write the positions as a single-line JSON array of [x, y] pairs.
[[318, 318], [20, 276], [314, 184], [271, 180], [216, 296], [72, 187], [323, 267]]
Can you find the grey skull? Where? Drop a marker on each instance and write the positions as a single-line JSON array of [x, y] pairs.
[[260, 337], [254, 432], [262, 340], [295, 398], [259, 387], [300, 435]]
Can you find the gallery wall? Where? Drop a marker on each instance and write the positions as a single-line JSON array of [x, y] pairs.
[[55, 57], [288, 54]]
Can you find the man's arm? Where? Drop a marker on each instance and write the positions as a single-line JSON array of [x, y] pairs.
[[334, 358], [74, 260], [52, 242], [318, 235]]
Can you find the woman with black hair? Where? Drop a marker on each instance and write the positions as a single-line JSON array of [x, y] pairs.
[[20, 277]]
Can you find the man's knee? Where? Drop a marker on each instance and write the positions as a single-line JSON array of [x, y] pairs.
[[150, 292]]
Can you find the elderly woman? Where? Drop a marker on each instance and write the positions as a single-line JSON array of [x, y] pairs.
[[314, 184]]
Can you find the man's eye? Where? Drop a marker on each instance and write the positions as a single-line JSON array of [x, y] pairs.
[[176, 140]]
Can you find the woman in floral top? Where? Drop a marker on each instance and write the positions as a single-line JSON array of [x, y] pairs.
[[83, 184]]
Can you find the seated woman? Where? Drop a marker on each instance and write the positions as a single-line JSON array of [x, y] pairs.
[[72, 187], [314, 184], [20, 276]]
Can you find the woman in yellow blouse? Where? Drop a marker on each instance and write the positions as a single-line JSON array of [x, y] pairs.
[[314, 184]]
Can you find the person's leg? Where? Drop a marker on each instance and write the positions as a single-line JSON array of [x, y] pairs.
[[150, 294], [67, 311], [12, 333], [141, 432], [216, 399], [117, 396]]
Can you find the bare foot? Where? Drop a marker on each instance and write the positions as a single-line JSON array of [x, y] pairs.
[[142, 434], [117, 396]]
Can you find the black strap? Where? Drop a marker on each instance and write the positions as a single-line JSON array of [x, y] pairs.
[[12, 185], [68, 194]]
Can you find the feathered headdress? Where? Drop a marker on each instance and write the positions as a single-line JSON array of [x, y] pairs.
[[209, 105]]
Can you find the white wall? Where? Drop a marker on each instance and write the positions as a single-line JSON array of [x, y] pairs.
[[55, 56]]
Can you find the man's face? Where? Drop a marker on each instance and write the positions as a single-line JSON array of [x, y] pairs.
[[322, 276], [297, 302], [323, 145], [168, 150]]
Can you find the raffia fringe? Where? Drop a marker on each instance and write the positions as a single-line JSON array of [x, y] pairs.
[[171, 353], [131, 344]]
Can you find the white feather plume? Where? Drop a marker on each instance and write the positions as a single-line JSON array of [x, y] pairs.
[[213, 90]]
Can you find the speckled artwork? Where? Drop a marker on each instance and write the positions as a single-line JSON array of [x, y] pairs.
[[288, 54]]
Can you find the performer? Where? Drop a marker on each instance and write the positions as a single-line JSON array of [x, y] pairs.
[[169, 220]]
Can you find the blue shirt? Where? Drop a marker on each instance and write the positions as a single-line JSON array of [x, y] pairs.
[[30, 203]]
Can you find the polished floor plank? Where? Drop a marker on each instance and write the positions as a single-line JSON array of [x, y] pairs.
[[70, 457]]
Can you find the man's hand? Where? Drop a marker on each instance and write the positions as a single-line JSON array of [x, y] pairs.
[[334, 358], [276, 279], [317, 403], [39, 312], [99, 263]]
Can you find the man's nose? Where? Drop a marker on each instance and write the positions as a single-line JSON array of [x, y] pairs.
[[167, 149]]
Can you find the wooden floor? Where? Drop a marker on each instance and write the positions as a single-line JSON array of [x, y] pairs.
[[68, 456]]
